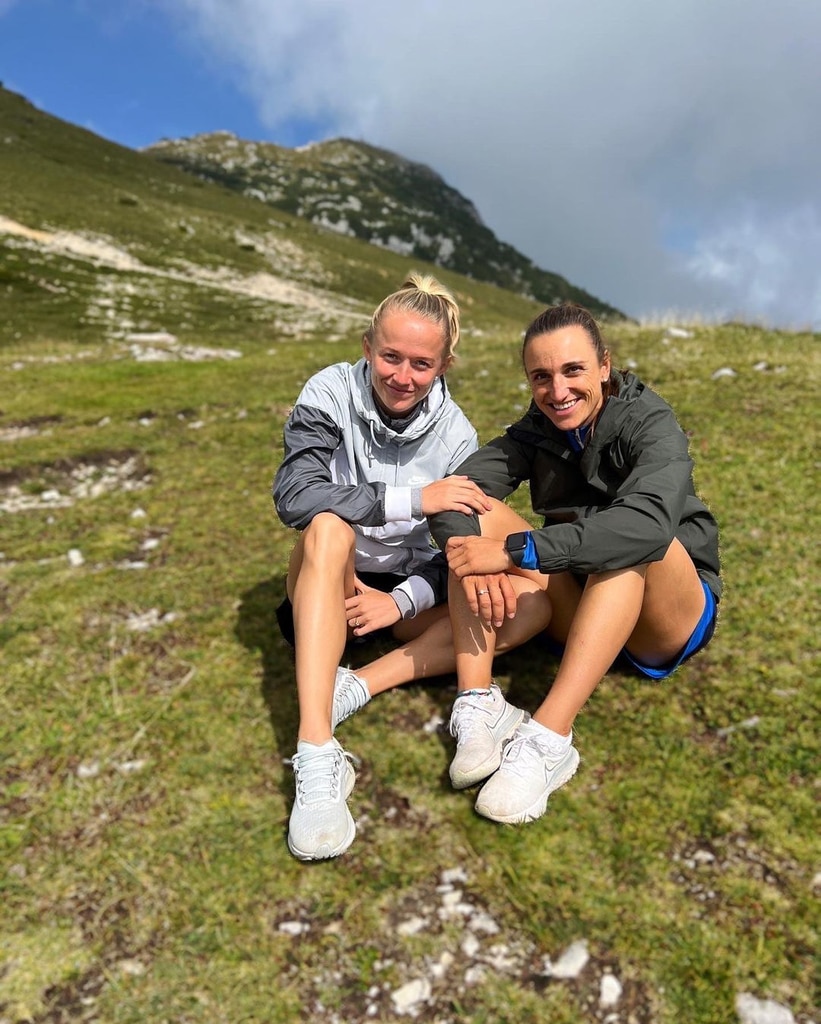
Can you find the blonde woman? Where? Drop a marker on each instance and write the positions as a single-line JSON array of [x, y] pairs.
[[370, 450]]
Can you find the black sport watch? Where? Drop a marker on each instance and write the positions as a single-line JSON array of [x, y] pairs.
[[515, 546]]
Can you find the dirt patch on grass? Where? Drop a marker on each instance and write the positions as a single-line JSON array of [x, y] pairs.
[[62, 483]]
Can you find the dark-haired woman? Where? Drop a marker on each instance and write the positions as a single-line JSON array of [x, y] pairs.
[[625, 563]]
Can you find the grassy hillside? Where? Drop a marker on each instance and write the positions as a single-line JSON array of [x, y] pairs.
[[148, 703], [98, 240]]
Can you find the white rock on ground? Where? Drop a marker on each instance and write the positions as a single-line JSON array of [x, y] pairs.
[[293, 927], [609, 991], [761, 1011], [407, 997], [571, 963], [412, 926]]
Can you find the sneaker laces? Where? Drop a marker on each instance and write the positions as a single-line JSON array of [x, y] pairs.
[[318, 774], [524, 753], [463, 721]]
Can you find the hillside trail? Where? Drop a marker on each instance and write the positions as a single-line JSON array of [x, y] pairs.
[[259, 285]]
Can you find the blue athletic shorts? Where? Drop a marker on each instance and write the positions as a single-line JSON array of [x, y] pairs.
[[699, 638]]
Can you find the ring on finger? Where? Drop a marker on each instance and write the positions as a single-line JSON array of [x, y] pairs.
[[480, 592]]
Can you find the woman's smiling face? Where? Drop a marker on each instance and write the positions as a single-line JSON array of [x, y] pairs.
[[406, 356], [566, 377]]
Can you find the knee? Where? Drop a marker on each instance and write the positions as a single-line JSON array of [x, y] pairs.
[[327, 539]]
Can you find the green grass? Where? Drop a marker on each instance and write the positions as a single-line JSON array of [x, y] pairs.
[[145, 870]]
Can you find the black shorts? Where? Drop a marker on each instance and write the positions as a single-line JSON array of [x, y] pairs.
[[384, 581]]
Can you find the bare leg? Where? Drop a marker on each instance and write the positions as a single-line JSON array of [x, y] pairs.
[[652, 609], [320, 574], [432, 652], [543, 601]]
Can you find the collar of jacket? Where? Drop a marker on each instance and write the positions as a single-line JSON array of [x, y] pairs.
[[536, 429]]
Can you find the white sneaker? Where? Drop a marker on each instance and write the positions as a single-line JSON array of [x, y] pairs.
[[481, 721], [350, 694], [321, 825], [528, 774]]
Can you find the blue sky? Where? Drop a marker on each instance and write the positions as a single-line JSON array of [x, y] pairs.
[[666, 157], [127, 71]]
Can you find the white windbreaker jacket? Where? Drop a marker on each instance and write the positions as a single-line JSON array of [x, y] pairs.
[[341, 457]]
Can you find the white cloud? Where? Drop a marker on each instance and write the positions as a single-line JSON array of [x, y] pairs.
[[582, 132], [765, 259]]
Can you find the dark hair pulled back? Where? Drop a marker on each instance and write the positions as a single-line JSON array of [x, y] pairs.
[[571, 314]]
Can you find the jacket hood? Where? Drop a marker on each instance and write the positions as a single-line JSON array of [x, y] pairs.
[[433, 406]]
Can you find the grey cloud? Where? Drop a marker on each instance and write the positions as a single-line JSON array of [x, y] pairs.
[[662, 156]]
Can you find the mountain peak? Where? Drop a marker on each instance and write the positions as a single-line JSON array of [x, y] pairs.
[[363, 191]]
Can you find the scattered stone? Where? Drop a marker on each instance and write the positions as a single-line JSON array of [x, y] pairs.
[[761, 1011], [141, 623], [724, 371], [483, 922], [571, 963], [150, 544], [452, 875], [678, 332], [129, 767], [89, 770], [293, 927], [442, 966], [407, 998], [139, 513], [748, 723], [500, 958], [761, 366], [412, 926], [433, 725], [152, 338], [75, 558], [476, 974], [17, 433], [133, 968], [123, 472], [610, 990], [470, 945]]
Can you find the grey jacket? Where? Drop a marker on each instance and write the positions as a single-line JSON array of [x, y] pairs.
[[341, 457], [617, 503]]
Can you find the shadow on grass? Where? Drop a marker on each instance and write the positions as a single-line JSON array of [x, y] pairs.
[[529, 669], [257, 630]]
